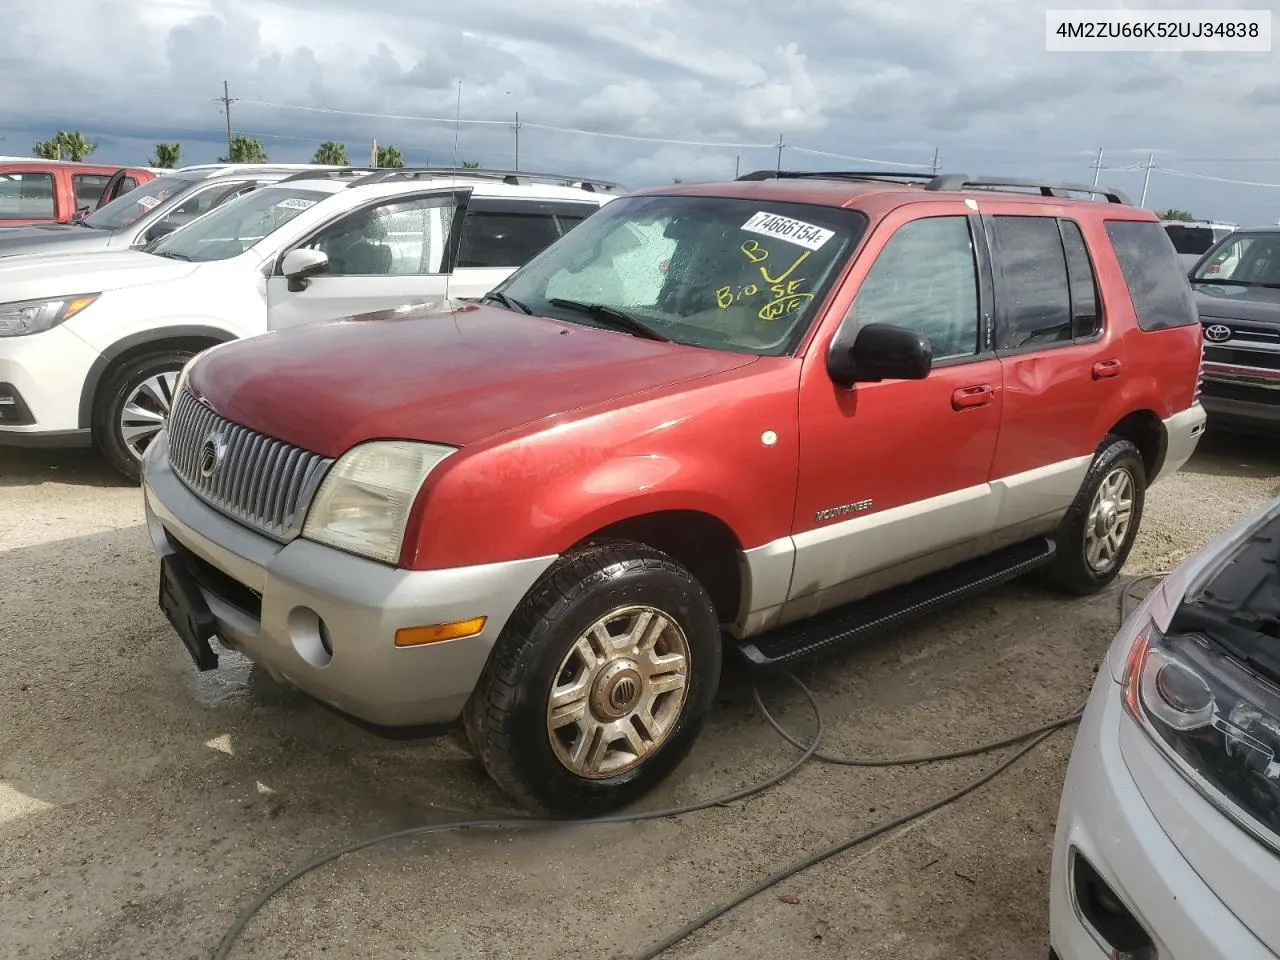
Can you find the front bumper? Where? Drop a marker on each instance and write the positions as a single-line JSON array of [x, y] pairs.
[[1246, 396], [268, 600], [43, 375], [1104, 819]]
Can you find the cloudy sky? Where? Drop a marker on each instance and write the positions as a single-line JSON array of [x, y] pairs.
[[887, 80]]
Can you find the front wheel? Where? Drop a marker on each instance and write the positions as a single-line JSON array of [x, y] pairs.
[[133, 406], [600, 682], [1098, 531]]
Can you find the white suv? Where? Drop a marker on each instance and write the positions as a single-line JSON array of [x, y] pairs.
[[91, 345]]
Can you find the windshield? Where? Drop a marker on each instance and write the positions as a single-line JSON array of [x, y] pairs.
[[125, 210], [1243, 258], [232, 228], [743, 275]]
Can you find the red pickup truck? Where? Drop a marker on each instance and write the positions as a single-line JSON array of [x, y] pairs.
[[56, 191], [762, 418]]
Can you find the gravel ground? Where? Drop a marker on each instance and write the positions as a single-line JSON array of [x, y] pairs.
[[142, 806]]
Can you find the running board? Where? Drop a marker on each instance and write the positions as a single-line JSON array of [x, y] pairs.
[[856, 621]]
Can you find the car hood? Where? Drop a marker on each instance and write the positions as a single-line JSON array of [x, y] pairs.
[[37, 275], [453, 377], [1231, 302], [51, 237]]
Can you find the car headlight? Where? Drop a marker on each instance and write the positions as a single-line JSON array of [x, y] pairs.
[[25, 317], [1216, 720], [364, 502]]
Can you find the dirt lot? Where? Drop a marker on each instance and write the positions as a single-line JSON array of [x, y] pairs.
[[141, 806]]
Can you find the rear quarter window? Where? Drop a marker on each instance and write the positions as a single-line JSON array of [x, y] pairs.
[[1159, 289]]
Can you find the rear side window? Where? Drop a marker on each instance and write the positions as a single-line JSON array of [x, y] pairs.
[[1086, 312], [88, 189], [27, 196], [1159, 289], [505, 238], [1033, 294]]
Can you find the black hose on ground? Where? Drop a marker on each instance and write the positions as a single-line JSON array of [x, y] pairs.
[[809, 751]]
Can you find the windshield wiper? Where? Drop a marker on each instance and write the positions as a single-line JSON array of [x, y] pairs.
[[508, 302], [1237, 283], [623, 321], [172, 256]]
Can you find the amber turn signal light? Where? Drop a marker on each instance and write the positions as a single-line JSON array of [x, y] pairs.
[[438, 632]]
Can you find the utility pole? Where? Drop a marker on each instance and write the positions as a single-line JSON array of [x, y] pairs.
[[226, 100], [373, 156], [1146, 178], [517, 129], [737, 165], [934, 168], [780, 146], [1097, 167]]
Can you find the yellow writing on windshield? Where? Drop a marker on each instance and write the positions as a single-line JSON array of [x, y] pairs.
[[786, 295]]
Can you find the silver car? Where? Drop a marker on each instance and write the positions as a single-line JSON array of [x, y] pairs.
[[1168, 837]]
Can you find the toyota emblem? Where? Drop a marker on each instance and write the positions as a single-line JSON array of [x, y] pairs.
[[1217, 332], [211, 456]]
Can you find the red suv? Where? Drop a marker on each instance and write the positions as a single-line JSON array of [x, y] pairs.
[[768, 416], [55, 191]]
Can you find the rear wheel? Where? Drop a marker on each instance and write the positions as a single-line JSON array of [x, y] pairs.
[[599, 684], [1098, 532], [134, 404]]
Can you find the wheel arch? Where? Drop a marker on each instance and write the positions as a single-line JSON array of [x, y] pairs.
[[186, 337], [1145, 430], [701, 542]]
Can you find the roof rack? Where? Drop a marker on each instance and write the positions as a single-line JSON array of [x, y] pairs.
[[946, 181], [329, 173], [1047, 188], [513, 177], [875, 175]]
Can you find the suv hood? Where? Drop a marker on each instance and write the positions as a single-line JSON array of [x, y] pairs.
[[39, 275], [51, 237], [452, 377], [1231, 302]]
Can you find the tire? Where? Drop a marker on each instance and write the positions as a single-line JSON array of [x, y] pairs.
[[1117, 464], [509, 719], [146, 384]]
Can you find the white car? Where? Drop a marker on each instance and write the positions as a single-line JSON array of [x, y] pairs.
[[91, 344], [1168, 837]]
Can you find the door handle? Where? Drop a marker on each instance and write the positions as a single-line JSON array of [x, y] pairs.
[[966, 398], [1105, 369]]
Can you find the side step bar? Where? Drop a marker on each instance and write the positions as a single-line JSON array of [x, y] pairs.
[[856, 621]]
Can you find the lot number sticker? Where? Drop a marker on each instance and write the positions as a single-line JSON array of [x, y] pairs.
[[148, 202], [296, 203], [793, 231]]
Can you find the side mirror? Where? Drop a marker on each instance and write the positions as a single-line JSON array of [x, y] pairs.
[[160, 229], [298, 265], [881, 351]]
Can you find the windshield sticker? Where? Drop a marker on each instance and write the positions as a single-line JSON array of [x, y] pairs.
[[793, 231], [296, 203], [148, 202]]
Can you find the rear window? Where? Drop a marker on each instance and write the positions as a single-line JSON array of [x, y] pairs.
[[1159, 289], [1189, 239]]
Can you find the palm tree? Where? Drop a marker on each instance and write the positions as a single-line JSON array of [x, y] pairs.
[[72, 145], [471, 164], [245, 150], [168, 155], [75, 144], [332, 153], [390, 156]]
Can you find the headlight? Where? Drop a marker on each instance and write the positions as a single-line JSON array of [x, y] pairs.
[[1217, 721], [364, 502], [26, 317]]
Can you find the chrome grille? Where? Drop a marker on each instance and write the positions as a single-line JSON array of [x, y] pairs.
[[262, 482]]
